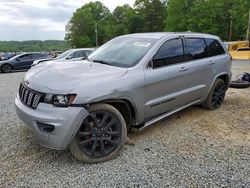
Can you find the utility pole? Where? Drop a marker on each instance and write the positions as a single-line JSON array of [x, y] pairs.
[[230, 29], [96, 35], [248, 27]]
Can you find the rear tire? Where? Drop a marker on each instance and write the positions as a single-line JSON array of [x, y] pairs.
[[216, 95], [239, 84], [101, 136], [6, 68]]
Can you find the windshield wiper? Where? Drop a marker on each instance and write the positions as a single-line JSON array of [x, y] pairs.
[[101, 61]]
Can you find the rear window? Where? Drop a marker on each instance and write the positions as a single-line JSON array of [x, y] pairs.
[[196, 48], [38, 55], [214, 47]]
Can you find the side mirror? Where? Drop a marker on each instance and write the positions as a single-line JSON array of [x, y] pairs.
[[69, 57], [17, 59], [150, 64]]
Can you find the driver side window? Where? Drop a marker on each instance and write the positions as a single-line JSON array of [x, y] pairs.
[[171, 52], [24, 57], [78, 54]]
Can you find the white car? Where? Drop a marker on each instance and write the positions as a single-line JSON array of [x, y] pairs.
[[71, 54]]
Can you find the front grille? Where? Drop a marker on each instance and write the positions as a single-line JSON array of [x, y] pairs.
[[30, 97]]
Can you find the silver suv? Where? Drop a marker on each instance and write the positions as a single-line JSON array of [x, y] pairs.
[[131, 81]]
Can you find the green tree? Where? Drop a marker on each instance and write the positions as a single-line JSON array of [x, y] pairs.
[[80, 30], [33, 46], [152, 13], [208, 16], [122, 17]]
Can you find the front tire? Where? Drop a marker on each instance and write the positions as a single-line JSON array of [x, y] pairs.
[[101, 136], [6, 68], [216, 95]]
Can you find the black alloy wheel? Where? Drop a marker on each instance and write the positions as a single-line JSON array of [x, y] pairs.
[[101, 135], [218, 95], [6, 68]]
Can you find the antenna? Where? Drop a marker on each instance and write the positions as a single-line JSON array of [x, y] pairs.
[[248, 27]]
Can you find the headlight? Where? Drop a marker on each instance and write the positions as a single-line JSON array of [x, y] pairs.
[[60, 100]]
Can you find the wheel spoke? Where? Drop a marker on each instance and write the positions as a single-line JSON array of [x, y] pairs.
[[104, 119], [113, 143], [114, 133], [94, 118], [214, 102], [112, 122], [86, 141], [102, 148], [93, 147], [84, 133]]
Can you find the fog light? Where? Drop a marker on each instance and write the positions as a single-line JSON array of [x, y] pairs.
[[45, 127]]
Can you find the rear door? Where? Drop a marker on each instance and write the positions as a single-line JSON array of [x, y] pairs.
[[201, 65], [218, 60]]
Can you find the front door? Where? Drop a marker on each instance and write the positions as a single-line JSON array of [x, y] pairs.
[[24, 61]]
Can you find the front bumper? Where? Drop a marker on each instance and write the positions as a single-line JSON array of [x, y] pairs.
[[65, 120]]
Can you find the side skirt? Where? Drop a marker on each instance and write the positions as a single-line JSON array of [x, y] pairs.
[[162, 116]]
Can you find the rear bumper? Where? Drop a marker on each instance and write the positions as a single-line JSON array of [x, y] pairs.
[[65, 120]]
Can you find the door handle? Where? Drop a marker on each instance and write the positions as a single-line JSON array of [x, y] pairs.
[[183, 69], [211, 62]]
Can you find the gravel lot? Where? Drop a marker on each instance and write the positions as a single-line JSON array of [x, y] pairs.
[[194, 148]]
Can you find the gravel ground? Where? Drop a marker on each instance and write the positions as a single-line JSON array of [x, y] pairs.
[[194, 148]]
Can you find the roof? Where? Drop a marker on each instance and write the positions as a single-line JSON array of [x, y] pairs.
[[76, 49], [158, 35]]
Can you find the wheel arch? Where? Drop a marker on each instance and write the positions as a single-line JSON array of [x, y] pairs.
[[224, 76], [7, 64], [125, 107]]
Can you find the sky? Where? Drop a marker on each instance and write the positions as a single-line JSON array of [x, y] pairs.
[[41, 19]]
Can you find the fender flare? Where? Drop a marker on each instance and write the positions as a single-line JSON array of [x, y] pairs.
[[215, 78]]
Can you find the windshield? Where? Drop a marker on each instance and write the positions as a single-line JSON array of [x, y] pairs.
[[122, 51], [64, 54]]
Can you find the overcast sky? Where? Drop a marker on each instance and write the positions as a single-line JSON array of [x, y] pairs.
[[41, 19]]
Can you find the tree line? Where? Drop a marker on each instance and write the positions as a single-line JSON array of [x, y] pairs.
[[33, 46], [93, 24]]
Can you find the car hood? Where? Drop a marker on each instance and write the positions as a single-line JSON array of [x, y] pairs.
[[4, 61], [61, 78], [41, 60]]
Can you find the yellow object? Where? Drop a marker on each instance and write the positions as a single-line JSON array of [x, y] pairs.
[[239, 50]]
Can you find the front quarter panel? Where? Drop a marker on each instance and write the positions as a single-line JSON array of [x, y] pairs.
[[128, 87]]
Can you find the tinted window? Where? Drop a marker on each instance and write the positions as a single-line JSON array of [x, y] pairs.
[[78, 54], [25, 57], [214, 47], [35, 56], [196, 48], [64, 54], [88, 52], [170, 52]]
